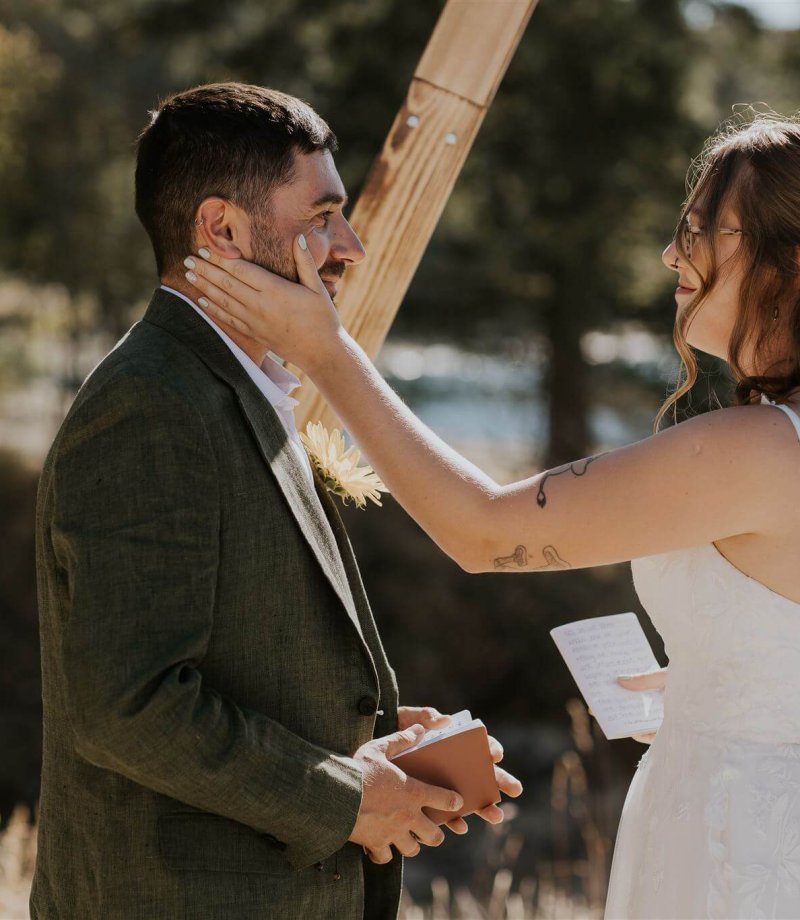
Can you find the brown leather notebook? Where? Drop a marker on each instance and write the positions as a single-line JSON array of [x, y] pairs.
[[461, 761]]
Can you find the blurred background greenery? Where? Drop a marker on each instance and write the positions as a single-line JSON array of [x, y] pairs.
[[536, 330]]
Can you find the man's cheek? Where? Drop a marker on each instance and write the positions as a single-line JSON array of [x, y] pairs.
[[318, 246]]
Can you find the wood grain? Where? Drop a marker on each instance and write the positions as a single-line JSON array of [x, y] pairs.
[[472, 45], [413, 176]]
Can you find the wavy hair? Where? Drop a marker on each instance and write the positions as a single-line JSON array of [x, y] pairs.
[[752, 164]]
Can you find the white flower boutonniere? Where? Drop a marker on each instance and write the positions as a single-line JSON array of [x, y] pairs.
[[338, 467]]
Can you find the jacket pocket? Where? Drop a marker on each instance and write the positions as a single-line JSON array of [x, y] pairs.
[[191, 841]]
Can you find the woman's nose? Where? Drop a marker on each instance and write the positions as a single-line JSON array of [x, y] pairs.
[[670, 256]]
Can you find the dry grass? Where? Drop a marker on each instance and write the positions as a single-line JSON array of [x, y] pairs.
[[533, 900], [568, 887]]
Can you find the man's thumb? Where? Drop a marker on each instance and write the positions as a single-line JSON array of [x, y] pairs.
[[402, 741], [306, 269]]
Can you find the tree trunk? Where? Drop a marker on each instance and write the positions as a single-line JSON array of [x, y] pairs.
[[566, 384]]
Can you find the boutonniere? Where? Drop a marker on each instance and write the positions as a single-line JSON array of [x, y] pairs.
[[338, 467]]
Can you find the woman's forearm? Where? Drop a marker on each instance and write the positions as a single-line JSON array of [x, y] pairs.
[[584, 513], [452, 500], [449, 497]]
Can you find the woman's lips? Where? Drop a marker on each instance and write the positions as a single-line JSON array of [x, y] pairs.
[[682, 289]]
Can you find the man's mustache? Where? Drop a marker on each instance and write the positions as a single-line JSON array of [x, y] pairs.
[[332, 270]]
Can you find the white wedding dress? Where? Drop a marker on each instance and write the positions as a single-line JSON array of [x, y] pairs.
[[711, 823]]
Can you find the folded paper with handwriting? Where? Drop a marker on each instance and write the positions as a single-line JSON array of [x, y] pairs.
[[455, 757], [597, 652]]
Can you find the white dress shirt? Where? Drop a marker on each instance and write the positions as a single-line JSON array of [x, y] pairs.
[[273, 380]]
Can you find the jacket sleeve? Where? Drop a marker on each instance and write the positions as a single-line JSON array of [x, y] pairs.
[[135, 529]]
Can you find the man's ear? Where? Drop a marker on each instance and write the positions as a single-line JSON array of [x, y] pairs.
[[223, 228]]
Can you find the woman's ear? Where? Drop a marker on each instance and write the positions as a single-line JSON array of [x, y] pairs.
[[223, 228]]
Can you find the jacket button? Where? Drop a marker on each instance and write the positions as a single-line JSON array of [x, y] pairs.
[[367, 706]]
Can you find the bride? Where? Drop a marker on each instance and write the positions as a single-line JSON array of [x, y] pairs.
[[708, 510]]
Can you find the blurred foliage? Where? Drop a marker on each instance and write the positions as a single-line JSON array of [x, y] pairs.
[[554, 229]]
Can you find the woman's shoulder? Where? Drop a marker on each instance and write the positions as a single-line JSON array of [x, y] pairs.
[[743, 425], [757, 443]]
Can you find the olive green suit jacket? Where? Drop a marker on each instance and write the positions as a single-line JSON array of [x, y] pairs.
[[209, 659]]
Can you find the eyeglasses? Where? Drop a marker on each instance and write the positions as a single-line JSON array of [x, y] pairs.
[[690, 233]]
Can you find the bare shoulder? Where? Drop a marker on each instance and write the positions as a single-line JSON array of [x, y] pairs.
[[724, 474], [757, 444], [746, 429]]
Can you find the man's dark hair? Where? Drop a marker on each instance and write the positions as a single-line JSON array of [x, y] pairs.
[[231, 140]]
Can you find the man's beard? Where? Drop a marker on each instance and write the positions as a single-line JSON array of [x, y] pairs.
[[272, 252]]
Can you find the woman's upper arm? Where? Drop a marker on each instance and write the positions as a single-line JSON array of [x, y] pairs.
[[712, 477]]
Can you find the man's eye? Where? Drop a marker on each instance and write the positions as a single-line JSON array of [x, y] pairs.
[[325, 217]]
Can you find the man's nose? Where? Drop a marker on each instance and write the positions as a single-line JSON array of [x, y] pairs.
[[347, 247]]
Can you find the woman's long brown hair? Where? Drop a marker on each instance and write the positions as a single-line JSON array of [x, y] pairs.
[[753, 165]]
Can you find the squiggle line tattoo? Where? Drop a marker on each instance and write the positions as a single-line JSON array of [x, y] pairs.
[[578, 468]]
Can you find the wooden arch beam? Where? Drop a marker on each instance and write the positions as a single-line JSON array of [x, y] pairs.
[[411, 179]]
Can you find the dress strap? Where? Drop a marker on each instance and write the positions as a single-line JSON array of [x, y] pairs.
[[793, 416]]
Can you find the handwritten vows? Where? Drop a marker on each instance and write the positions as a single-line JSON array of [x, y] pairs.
[[599, 650]]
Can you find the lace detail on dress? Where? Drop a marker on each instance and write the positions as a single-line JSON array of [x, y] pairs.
[[717, 818], [711, 824]]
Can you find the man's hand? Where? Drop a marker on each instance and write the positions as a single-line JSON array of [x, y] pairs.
[[651, 680], [426, 716], [429, 718], [391, 807], [508, 785]]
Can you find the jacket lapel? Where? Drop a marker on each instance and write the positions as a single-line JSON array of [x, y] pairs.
[[178, 319], [369, 629], [274, 445]]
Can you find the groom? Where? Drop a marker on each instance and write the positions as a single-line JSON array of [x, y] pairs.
[[219, 712]]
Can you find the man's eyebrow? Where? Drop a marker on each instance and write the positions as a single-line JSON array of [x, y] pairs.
[[330, 198]]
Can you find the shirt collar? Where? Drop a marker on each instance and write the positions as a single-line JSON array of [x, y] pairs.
[[274, 381]]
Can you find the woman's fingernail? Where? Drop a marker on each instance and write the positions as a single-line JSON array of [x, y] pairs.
[[189, 262], [302, 241], [202, 301], [191, 276], [625, 676], [204, 253]]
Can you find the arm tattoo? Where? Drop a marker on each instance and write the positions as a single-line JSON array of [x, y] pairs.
[[519, 560], [578, 468], [552, 560]]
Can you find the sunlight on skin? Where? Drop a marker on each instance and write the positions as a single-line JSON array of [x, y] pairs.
[[311, 204], [710, 329], [429, 718]]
